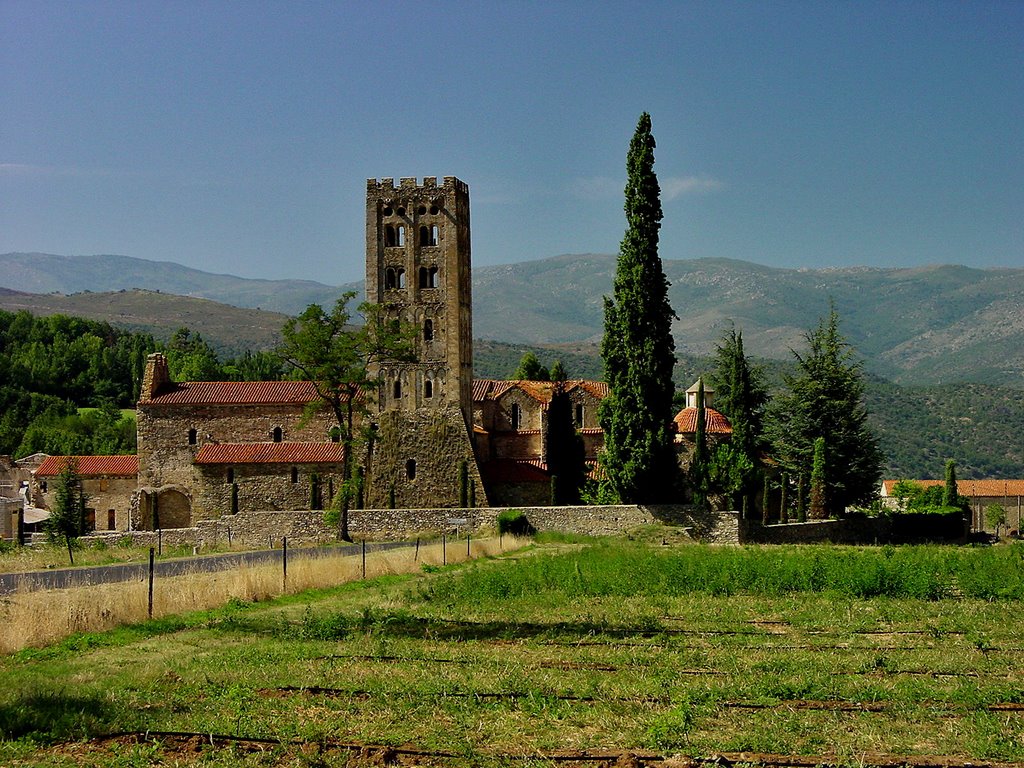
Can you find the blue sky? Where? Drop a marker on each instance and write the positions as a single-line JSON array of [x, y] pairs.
[[237, 136]]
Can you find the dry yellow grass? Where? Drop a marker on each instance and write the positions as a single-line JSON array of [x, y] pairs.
[[36, 619]]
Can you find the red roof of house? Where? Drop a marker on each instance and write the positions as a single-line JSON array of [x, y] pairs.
[[236, 393], [515, 471], [715, 422], [90, 466], [988, 488], [492, 389], [271, 453]]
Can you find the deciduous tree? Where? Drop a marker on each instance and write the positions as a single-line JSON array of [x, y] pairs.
[[335, 355], [637, 349]]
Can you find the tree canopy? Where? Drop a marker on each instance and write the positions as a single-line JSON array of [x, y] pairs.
[[637, 348], [336, 356], [825, 399]]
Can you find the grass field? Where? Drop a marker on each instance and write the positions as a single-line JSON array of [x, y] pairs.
[[843, 654]]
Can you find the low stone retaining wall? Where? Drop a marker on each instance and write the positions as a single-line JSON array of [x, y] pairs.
[[261, 529], [887, 529]]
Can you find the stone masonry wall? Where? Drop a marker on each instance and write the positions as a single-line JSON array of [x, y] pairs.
[[260, 529], [165, 456], [261, 487]]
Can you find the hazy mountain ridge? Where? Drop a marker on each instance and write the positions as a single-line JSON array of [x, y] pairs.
[[920, 325]]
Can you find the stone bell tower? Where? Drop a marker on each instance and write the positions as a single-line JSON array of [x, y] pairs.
[[418, 272]]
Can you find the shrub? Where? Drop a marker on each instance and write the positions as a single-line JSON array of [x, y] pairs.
[[515, 522]]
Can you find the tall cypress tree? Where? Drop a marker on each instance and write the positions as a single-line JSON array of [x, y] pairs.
[[699, 459], [637, 348], [950, 493], [566, 454]]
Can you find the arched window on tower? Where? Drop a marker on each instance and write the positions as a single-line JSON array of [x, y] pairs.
[[428, 330], [517, 416], [397, 389], [390, 278], [424, 277], [390, 236], [435, 235], [278, 434], [401, 236], [428, 388], [400, 275], [425, 236], [432, 278]]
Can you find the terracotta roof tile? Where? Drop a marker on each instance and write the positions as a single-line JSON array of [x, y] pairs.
[[492, 389], [235, 393], [271, 453], [988, 488], [91, 466], [515, 471], [716, 423]]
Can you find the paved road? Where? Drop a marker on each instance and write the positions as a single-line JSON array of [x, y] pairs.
[[112, 574]]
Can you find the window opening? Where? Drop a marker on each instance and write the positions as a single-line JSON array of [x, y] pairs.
[[434, 210], [278, 434], [295, 474], [400, 273], [579, 414], [428, 388], [397, 389], [390, 278], [388, 211], [410, 469], [192, 435], [401, 211], [390, 236], [435, 235], [111, 520], [425, 236], [421, 210], [231, 474], [335, 434], [401, 236], [428, 330], [517, 415], [432, 277]]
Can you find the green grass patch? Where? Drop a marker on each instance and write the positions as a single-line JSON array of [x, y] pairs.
[[607, 646]]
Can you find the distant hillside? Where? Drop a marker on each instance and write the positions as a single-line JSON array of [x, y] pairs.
[[230, 330], [46, 273], [921, 326]]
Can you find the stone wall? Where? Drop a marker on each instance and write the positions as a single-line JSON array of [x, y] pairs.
[[418, 455], [105, 495], [261, 487], [165, 455], [887, 529], [261, 529]]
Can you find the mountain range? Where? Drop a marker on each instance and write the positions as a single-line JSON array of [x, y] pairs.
[[953, 337], [922, 325]]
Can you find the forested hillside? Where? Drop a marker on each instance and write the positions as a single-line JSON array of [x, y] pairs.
[[64, 380]]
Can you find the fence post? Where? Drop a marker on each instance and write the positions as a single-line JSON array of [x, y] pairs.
[[151, 559], [284, 564], [444, 550], [416, 557], [364, 558], [159, 541], [468, 535]]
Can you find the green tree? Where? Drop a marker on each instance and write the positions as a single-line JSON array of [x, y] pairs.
[[67, 519], [566, 454], [825, 399], [949, 492], [699, 470], [530, 369], [819, 482], [637, 348], [191, 358], [995, 517], [336, 357]]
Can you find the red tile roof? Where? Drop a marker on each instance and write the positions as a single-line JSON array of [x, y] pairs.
[[716, 423], [235, 393], [492, 389], [515, 471], [91, 466], [987, 488], [271, 453]]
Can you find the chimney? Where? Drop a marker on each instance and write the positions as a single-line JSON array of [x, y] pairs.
[[156, 376]]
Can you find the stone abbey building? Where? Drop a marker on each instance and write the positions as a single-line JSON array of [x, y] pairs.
[[211, 449], [207, 449]]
